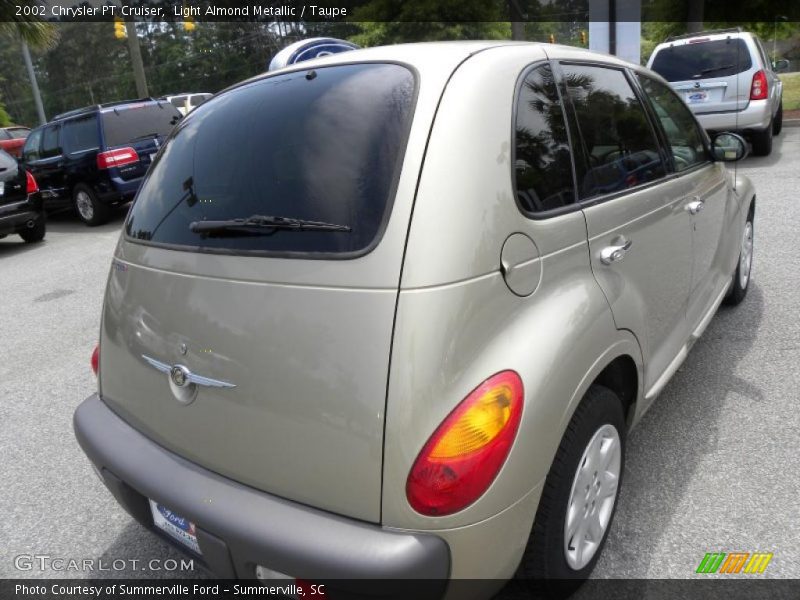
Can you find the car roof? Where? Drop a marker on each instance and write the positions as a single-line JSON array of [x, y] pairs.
[[705, 36], [433, 56], [105, 108]]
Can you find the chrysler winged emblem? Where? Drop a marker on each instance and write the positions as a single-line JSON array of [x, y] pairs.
[[182, 381]]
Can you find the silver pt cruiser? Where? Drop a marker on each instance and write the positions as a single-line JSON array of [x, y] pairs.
[[391, 313]]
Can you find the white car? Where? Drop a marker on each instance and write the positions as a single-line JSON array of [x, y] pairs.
[[727, 79], [186, 103]]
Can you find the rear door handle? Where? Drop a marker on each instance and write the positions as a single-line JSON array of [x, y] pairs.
[[615, 252], [695, 206]]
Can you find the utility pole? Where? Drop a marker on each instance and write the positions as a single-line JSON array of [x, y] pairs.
[[136, 59], [37, 97]]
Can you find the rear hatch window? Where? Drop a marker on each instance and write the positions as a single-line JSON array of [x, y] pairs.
[[719, 58], [323, 145], [125, 124]]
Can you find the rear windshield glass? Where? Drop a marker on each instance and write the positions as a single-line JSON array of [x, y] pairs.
[[719, 58], [122, 125], [323, 145]]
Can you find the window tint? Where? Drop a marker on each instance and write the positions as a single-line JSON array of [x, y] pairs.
[[50, 145], [125, 124], [4, 135], [324, 145], [542, 162], [620, 145], [719, 58], [80, 134], [31, 149], [683, 132]]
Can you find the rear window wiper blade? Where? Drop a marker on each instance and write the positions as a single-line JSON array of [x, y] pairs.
[[264, 223], [712, 69]]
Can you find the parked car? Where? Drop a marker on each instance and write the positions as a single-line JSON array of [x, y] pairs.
[[186, 103], [20, 202], [387, 344], [12, 139], [727, 79], [94, 158]]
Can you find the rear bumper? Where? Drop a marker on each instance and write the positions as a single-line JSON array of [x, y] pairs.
[[755, 117], [10, 223], [239, 527]]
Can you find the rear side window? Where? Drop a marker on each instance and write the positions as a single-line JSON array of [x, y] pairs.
[[323, 145], [620, 145], [682, 130], [79, 135], [31, 148], [125, 125], [4, 135], [50, 145], [720, 58], [542, 162]]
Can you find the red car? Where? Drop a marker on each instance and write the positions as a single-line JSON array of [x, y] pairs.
[[12, 139]]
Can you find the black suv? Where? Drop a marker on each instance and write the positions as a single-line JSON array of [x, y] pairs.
[[20, 202], [95, 157]]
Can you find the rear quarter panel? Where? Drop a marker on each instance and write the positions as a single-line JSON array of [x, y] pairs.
[[458, 323]]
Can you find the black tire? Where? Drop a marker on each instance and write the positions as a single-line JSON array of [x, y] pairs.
[[739, 284], [762, 142], [777, 124], [88, 208], [544, 565], [34, 234]]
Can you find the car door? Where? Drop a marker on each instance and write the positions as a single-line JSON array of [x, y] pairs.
[[706, 196], [49, 167], [639, 232]]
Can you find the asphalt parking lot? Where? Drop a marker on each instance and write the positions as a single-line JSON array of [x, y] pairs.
[[713, 466]]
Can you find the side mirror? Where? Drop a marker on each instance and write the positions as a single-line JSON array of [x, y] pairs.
[[728, 147], [780, 65]]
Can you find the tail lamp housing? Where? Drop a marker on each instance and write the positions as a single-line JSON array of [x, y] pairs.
[[31, 187], [464, 455], [117, 158], [96, 359], [759, 88]]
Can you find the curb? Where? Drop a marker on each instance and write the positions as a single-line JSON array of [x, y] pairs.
[[791, 123]]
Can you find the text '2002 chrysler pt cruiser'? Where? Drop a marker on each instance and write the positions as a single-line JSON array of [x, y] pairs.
[[390, 313]]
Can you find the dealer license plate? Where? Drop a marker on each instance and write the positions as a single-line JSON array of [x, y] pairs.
[[697, 97], [177, 527]]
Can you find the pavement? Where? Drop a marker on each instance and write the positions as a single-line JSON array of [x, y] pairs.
[[712, 467]]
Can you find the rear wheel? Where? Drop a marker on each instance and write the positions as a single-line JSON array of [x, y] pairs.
[[35, 233], [762, 142], [579, 497], [741, 276], [777, 124], [90, 210]]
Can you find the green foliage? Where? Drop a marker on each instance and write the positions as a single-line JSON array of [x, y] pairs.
[[397, 21], [5, 120]]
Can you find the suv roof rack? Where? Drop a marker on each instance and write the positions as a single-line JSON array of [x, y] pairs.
[[97, 107], [684, 36]]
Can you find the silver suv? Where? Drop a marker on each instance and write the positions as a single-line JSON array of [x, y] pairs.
[[392, 313], [728, 81]]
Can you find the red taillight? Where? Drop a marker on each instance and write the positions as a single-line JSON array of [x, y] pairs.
[[96, 359], [465, 453], [31, 186], [759, 91], [117, 158]]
